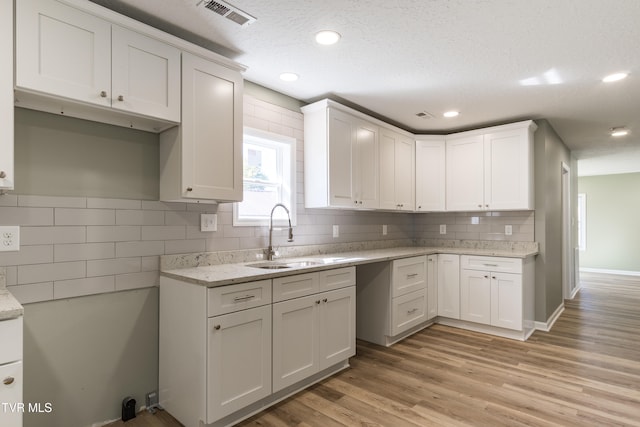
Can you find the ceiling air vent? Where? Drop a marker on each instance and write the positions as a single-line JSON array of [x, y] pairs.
[[228, 11], [425, 115]]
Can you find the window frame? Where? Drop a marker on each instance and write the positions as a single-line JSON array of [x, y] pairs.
[[270, 139]]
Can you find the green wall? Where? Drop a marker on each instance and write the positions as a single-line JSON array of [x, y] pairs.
[[613, 210]]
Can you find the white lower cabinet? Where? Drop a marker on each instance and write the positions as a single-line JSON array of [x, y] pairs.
[[227, 352], [11, 377], [239, 360], [391, 299], [313, 332]]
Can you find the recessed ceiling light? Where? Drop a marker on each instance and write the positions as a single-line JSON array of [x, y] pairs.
[[288, 77], [621, 131], [614, 77], [451, 113], [327, 37]]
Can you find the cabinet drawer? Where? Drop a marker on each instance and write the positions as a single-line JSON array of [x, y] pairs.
[[300, 285], [408, 311], [408, 275], [226, 299], [337, 278], [11, 388], [488, 263], [10, 340]]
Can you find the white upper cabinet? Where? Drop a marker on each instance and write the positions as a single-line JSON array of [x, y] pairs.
[[396, 171], [82, 60], [341, 158], [491, 169], [430, 173], [201, 160], [6, 95]]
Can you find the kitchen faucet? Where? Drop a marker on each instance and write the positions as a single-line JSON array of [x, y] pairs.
[[269, 252]]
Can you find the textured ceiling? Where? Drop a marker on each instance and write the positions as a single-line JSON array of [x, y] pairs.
[[493, 60]]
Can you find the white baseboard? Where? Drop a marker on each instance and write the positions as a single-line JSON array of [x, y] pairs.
[[606, 271], [546, 326]]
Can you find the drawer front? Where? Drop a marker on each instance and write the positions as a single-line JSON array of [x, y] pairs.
[[300, 285], [337, 278], [10, 340], [11, 389], [408, 275], [488, 263], [227, 299], [408, 311]]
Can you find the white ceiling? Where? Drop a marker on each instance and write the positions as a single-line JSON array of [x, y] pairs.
[[495, 61]]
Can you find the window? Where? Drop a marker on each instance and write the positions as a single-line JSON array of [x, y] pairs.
[[582, 221], [269, 178]]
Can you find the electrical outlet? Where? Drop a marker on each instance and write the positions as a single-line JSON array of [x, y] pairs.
[[9, 238], [443, 228], [508, 230], [384, 230], [208, 222], [336, 231]]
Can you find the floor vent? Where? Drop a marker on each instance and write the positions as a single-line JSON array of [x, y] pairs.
[[228, 11]]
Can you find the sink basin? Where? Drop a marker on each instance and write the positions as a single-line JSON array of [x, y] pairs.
[[269, 265]]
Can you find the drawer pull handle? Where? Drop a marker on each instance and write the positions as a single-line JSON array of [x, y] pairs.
[[409, 276], [216, 327], [244, 298], [413, 310], [8, 381], [490, 265]]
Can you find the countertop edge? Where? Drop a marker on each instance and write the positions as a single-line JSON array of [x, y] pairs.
[[248, 274], [10, 308]]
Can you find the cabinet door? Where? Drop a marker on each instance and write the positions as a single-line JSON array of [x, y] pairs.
[[6, 95], [341, 159], [145, 75], [475, 296], [62, 51], [465, 174], [211, 130], [508, 170], [432, 286], [387, 171], [295, 340], [366, 167], [238, 360], [506, 300], [337, 332], [405, 174], [430, 175], [11, 388], [396, 171], [449, 286]]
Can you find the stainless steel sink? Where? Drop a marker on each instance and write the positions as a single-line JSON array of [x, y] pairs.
[[269, 265]]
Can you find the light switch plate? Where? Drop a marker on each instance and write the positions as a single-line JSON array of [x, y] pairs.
[[208, 222], [384, 229], [508, 230], [443, 228], [9, 238], [336, 230]]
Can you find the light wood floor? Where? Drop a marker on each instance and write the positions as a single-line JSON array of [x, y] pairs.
[[585, 372]]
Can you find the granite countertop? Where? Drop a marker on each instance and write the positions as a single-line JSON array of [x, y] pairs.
[[9, 306], [226, 274]]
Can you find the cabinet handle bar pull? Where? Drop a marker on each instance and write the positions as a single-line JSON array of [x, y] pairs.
[[409, 276], [413, 310], [216, 327], [244, 298], [8, 381], [490, 265]]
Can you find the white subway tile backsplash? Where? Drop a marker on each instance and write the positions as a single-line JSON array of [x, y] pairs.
[[139, 217], [163, 206], [166, 232], [106, 267], [131, 249], [83, 251], [34, 292], [38, 254], [181, 218], [52, 202], [49, 235], [64, 216], [80, 287], [150, 263], [113, 203], [184, 246], [8, 200], [137, 280], [47, 272], [121, 233], [25, 216]]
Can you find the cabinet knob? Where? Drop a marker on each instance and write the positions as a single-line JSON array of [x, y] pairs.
[[120, 98], [325, 300], [419, 207], [216, 327], [317, 301], [3, 174], [479, 206], [103, 94], [189, 188], [493, 277], [487, 205], [8, 381], [486, 277], [355, 201], [360, 202]]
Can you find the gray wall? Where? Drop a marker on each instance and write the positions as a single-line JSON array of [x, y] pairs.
[[613, 209], [550, 152]]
